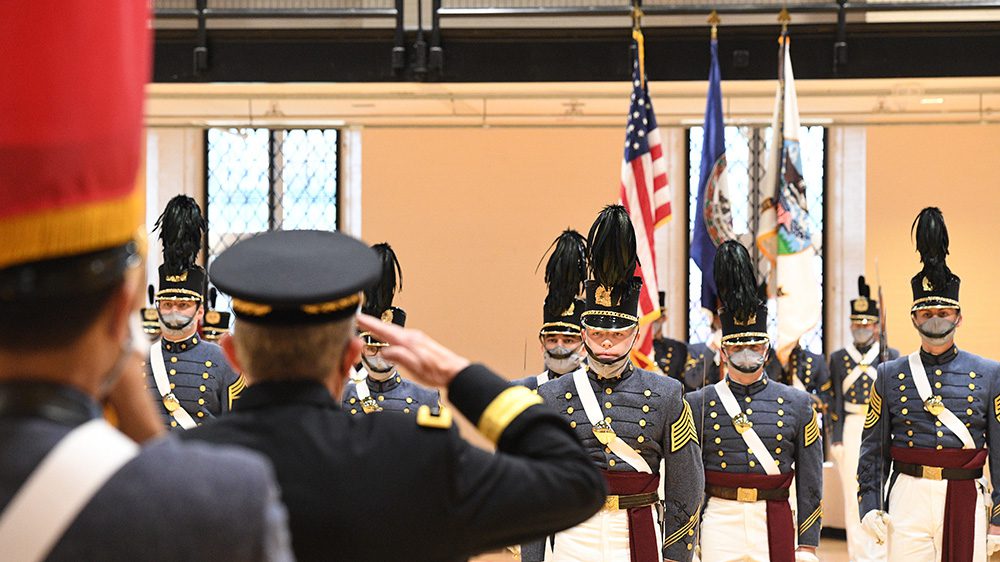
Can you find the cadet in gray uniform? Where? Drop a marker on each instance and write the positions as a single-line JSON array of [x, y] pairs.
[[671, 355], [758, 435], [195, 383], [808, 371], [933, 420], [71, 486], [628, 420], [853, 371], [562, 345], [560, 337], [378, 386]]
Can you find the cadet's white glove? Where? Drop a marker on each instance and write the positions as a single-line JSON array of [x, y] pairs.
[[876, 524], [992, 544], [805, 556], [837, 452]]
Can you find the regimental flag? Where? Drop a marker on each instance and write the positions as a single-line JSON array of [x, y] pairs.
[[785, 235], [646, 196], [713, 221]]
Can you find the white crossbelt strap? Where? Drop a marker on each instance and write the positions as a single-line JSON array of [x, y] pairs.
[[749, 436], [356, 375], [361, 386], [863, 365], [182, 416], [852, 408], [949, 419], [60, 487], [542, 378], [797, 382], [593, 411]]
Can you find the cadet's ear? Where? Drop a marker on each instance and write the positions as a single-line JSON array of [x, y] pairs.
[[351, 355], [229, 349]]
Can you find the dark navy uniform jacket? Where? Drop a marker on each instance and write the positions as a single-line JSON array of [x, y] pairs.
[[200, 377], [398, 487], [841, 365], [671, 357], [394, 394], [969, 386], [785, 420]]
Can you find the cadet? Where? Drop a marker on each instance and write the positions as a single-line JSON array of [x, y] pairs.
[[807, 371], [190, 379], [853, 371], [671, 355], [378, 386], [71, 486], [295, 296], [628, 420], [759, 435], [562, 345], [933, 421]]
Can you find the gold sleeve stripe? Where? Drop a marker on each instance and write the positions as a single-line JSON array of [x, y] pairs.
[[504, 409], [235, 389], [811, 520], [996, 511], [812, 430], [682, 431], [874, 408], [682, 532], [827, 385], [996, 407]]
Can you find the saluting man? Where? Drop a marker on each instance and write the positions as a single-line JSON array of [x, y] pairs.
[[377, 385], [628, 419], [562, 344], [758, 436], [190, 379], [853, 372], [933, 421]]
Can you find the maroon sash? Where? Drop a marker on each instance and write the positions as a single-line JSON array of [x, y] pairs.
[[780, 527], [960, 499], [642, 542]]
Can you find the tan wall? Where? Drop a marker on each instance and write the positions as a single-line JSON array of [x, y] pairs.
[[470, 212], [954, 168]]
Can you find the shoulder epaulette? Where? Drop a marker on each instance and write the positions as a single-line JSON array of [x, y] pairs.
[[441, 420]]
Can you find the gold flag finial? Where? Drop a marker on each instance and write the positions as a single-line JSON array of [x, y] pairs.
[[784, 18], [714, 20], [636, 16]]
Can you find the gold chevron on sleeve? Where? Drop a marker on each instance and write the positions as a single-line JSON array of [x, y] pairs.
[[826, 386], [874, 408], [682, 431], [996, 407], [235, 389], [811, 520], [812, 430], [682, 532], [504, 409], [996, 511]]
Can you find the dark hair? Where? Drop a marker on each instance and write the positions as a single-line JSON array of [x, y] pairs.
[[49, 323]]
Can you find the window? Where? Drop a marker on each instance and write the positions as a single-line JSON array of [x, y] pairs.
[[746, 153], [269, 179]]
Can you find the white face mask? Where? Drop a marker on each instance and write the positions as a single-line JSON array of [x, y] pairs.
[[562, 360], [863, 336], [937, 331], [747, 361], [378, 368]]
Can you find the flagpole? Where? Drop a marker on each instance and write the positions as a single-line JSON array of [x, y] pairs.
[[639, 39]]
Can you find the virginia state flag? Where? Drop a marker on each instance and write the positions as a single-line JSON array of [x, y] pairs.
[[785, 236], [713, 222]]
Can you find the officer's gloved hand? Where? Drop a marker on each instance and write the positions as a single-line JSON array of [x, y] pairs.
[[876, 524], [805, 556], [992, 544], [837, 452]]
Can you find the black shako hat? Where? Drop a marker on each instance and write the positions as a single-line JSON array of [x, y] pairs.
[[295, 276]]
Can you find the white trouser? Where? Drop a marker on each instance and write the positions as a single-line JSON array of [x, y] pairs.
[[733, 531], [860, 545], [602, 538], [916, 524]]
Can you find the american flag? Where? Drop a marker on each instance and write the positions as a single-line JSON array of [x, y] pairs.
[[646, 195]]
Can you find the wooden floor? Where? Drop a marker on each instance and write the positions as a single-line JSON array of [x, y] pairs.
[[830, 550]]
